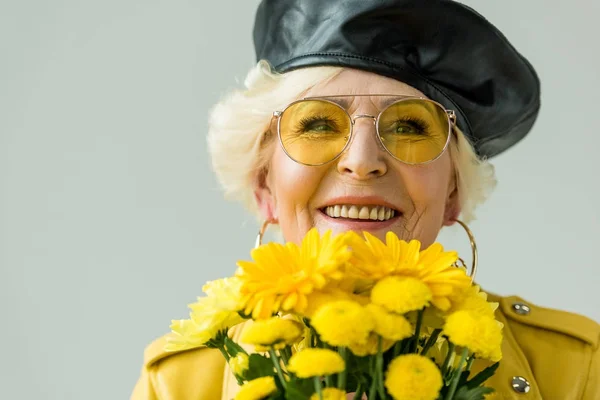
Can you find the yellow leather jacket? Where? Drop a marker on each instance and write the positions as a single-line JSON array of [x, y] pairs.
[[547, 354]]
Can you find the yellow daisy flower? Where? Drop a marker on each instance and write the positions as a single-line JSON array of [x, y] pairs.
[[401, 294], [342, 323], [257, 389], [413, 377], [373, 259], [313, 362], [330, 394], [479, 333], [281, 276], [389, 325], [239, 364], [436, 269], [273, 331]]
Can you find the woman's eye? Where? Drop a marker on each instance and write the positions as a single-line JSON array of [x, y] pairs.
[[318, 126], [409, 127], [405, 129]]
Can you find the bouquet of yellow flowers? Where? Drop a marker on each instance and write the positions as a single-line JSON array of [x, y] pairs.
[[348, 314]]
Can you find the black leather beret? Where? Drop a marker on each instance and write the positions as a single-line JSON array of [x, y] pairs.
[[443, 48]]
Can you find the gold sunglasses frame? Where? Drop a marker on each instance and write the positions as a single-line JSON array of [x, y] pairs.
[[450, 114]]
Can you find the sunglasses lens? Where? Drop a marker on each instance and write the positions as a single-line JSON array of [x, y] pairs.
[[414, 131], [314, 132]]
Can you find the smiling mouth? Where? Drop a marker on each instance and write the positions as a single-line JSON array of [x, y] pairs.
[[354, 212]]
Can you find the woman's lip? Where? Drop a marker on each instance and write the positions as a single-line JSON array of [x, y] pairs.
[[360, 201], [360, 224]]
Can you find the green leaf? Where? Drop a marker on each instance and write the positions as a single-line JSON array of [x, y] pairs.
[[232, 347], [478, 393], [258, 366], [299, 389], [483, 375]]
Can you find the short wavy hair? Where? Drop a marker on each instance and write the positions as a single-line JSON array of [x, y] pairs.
[[239, 133]]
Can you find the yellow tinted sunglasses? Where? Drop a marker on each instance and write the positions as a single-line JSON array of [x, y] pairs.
[[316, 130]]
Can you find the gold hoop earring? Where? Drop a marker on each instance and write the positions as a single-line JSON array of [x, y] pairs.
[[473, 250], [261, 232]]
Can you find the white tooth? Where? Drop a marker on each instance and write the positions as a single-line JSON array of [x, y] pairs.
[[364, 213], [393, 213], [381, 213], [353, 212], [388, 213], [336, 210], [344, 211], [373, 214], [330, 211]]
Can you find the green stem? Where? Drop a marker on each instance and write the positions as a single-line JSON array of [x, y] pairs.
[[342, 375], [457, 374], [328, 382], [431, 341], [415, 341], [359, 392], [379, 366], [397, 348], [317, 381], [277, 366], [470, 363], [285, 356], [373, 388], [448, 357]]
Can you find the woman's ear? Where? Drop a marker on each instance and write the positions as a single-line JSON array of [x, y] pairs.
[[453, 209], [264, 197]]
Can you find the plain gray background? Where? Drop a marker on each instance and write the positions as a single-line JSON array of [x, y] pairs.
[[110, 217]]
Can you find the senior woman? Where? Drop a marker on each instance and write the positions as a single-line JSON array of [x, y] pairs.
[[379, 116]]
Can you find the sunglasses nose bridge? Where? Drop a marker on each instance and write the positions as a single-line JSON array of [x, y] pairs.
[[372, 117]]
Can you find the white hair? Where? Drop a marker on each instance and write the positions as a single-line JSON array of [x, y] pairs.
[[239, 125]]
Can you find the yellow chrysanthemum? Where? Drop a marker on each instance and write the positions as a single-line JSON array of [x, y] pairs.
[[281, 276], [330, 394], [272, 331], [209, 315], [227, 291], [389, 325], [186, 335], [257, 389], [474, 300], [342, 323], [373, 259], [239, 364], [316, 362], [479, 333], [401, 294], [436, 269], [371, 346], [318, 299], [413, 377]]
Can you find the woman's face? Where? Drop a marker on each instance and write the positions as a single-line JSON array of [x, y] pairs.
[[423, 197]]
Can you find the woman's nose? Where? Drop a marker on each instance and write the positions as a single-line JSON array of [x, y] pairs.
[[364, 158]]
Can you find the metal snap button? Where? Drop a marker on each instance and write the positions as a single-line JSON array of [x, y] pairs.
[[521, 308], [520, 384]]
